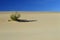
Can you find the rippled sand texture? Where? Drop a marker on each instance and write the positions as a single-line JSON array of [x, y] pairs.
[[47, 26]]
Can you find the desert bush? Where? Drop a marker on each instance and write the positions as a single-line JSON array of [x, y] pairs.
[[15, 16]]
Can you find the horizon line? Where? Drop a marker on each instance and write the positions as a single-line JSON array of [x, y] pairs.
[[29, 11]]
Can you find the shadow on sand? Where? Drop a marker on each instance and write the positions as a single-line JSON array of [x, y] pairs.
[[22, 20]]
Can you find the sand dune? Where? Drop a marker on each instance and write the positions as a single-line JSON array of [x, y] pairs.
[[47, 26]]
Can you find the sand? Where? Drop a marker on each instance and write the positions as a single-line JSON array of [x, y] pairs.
[[47, 26]]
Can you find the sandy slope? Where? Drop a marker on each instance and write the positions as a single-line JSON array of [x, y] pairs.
[[47, 26]]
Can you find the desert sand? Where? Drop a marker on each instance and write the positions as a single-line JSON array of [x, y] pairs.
[[47, 26]]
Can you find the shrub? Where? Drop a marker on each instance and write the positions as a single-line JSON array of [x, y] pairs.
[[15, 16]]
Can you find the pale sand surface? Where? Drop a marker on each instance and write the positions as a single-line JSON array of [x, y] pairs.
[[47, 26]]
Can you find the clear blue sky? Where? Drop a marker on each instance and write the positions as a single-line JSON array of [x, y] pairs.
[[30, 5]]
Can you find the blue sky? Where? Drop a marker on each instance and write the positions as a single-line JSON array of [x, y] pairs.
[[30, 5]]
